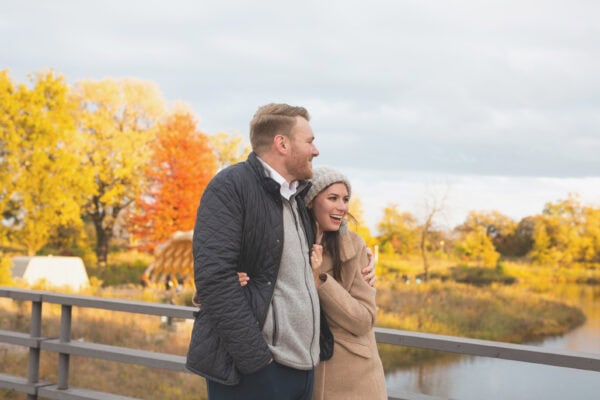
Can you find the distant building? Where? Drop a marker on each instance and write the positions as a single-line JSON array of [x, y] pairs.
[[56, 271]]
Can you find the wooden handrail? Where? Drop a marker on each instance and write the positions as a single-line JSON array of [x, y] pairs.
[[65, 347]]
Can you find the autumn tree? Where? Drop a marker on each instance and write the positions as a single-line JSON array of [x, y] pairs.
[[181, 165], [229, 149], [476, 245], [434, 205], [5, 269], [358, 223], [43, 184], [118, 118], [545, 250], [398, 230], [9, 139], [522, 241], [591, 235], [498, 227], [565, 233]]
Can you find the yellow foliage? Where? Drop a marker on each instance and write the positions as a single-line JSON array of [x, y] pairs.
[[5, 267], [359, 224], [476, 245], [229, 149], [42, 180], [398, 231], [118, 118]]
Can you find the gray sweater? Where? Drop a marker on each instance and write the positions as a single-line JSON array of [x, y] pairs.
[[291, 328]]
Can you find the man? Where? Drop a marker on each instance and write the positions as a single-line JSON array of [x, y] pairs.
[[260, 341]]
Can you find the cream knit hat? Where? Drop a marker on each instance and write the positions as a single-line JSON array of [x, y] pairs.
[[323, 177]]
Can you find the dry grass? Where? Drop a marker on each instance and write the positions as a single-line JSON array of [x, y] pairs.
[[115, 328], [531, 309]]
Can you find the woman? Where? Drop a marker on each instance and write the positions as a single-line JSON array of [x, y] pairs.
[[355, 370]]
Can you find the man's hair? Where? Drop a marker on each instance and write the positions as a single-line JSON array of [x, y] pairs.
[[270, 120]]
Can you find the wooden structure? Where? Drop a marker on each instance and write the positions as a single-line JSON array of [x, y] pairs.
[[173, 262]]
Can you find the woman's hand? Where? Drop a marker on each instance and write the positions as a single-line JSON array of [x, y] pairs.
[[316, 260], [244, 278], [368, 272]]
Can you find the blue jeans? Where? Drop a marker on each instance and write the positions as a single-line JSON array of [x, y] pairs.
[[275, 381]]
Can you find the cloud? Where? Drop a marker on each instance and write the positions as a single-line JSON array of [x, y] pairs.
[[517, 197], [499, 88]]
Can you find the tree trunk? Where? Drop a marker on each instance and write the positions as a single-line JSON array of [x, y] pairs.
[[102, 240], [104, 232], [424, 255], [423, 245]]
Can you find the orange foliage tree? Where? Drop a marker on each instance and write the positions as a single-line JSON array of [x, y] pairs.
[[182, 163]]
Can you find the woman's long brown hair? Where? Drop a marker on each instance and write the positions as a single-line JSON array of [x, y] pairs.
[[331, 245]]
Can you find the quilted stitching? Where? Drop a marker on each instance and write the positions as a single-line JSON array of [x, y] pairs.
[[239, 227]]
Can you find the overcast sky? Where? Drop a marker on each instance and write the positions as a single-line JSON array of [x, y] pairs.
[[495, 102]]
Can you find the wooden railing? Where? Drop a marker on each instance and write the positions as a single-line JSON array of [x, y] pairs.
[[36, 343]]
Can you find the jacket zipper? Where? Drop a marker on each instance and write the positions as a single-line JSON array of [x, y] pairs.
[[307, 273], [262, 323], [275, 330]]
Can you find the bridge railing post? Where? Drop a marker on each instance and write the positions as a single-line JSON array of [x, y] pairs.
[[35, 331], [65, 337]]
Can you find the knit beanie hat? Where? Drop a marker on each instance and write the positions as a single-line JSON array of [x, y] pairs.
[[323, 177]]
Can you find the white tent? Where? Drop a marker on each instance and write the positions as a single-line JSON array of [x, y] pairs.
[[57, 271]]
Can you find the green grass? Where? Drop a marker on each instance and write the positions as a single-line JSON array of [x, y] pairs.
[[480, 276], [124, 267]]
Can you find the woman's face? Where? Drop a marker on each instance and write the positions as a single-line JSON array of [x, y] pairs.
[[331, 206]]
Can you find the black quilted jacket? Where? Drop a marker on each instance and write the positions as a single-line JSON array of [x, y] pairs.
[[239, 227]]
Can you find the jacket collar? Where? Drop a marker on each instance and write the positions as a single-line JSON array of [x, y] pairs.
[[269, 183]]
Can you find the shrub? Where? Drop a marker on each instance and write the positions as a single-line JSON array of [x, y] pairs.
[[5, 269], [123, 268], [480, 275]]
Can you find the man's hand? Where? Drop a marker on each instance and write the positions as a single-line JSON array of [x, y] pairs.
[[369, 271]]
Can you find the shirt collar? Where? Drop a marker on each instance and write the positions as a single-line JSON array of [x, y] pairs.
[[286, 189]]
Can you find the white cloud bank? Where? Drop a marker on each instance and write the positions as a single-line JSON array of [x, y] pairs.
[[502, 96]]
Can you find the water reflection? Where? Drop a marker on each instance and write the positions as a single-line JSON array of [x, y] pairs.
[[468, 377], [486, 378]]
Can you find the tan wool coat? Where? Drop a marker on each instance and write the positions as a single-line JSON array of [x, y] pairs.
[[355, 370]]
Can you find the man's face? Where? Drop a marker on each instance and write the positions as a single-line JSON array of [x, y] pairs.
[[302, 150]]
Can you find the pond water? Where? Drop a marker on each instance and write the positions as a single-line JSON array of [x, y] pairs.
[[467, 377]]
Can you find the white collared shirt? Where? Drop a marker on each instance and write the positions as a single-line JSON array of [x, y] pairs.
[[286, 189]]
